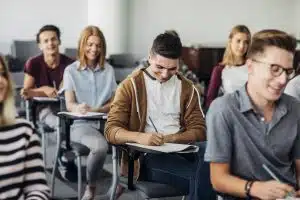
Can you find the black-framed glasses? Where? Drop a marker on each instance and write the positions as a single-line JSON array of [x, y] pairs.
[[276, 70]]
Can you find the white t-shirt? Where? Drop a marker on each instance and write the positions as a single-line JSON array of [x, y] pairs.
[[293, 87], [234, 77], [163, 105]]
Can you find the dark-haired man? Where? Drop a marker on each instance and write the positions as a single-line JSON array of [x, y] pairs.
[[44, 72], [156, 105], [253, 133]]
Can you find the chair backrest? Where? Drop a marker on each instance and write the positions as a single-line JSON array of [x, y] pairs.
[[24, 49]]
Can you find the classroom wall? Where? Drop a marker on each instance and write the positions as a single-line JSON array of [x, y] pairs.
[[22, 19], [197, 21], [205, 22]]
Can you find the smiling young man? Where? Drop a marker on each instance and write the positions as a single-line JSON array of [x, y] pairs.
[[156, 105], [257, 125], [44, 72]]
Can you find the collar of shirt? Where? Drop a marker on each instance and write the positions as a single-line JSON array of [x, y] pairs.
[[97, 68], [246, 103], [154, 79]]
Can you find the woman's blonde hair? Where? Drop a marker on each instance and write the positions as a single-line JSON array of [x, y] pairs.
[[85, 34], [229, 58], [8, 109]]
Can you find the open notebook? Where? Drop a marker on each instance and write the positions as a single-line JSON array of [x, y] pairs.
[[88, 114], [169, 147], [45, 99]]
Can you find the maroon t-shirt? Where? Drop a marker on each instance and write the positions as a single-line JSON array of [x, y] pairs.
[[42, 74]]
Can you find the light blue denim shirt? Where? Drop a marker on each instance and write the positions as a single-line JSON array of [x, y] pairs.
[[91, 86]]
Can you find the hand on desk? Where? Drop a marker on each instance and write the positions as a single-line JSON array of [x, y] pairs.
[[151, 139], [83, 108], [50, 91], [27, 93], [270, 190]]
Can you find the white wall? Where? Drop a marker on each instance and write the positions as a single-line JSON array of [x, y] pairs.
[[197, 21], [204, 22], [296, 22], [22, 19], [111, 17]]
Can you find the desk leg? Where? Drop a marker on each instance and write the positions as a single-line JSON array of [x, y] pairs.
[[130, 170], [67, 129], [27, 109], [58, 144], [115, 178]]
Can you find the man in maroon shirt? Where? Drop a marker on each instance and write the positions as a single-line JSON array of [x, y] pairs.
[[44, 72]]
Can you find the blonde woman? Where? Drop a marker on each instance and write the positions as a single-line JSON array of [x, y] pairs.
[[22, 174], [89, 85], [231, 73]]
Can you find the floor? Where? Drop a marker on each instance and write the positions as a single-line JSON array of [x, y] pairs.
[[67, 190]]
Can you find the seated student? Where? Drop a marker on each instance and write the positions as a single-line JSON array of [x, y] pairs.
[[156, 105], [231, 73], [22, 174], [44, 72], [293, 87], [183, 68], [89, 85], [257, 125]]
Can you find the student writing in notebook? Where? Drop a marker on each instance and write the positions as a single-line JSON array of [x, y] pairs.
[[257, 125], [89, 85], [44, 72], [155, 105]]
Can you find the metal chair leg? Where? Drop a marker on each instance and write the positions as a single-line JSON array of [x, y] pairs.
[[79, 186], [115, 177], [27, 109], [44, 146], [55, 166]]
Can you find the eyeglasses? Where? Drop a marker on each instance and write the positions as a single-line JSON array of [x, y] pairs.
[[276, 70]]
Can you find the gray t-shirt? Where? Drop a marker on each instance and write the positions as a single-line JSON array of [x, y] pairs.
[[237, 135]]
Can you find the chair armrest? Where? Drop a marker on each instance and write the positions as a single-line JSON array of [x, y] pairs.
[[133, 153]]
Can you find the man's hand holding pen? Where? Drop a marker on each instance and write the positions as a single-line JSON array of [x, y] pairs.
[[151, 139]]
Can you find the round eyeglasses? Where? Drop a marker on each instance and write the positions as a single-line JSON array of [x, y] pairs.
[[276, 70]]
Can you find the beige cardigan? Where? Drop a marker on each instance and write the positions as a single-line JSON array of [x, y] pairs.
[[129, 107]]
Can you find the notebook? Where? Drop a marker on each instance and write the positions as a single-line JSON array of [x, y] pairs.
[[45, 99], [169, 147], [88, 114]]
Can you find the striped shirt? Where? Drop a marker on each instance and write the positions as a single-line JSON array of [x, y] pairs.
[[22, 173]]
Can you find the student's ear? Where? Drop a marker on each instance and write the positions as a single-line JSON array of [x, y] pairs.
[[249, 64], [150, 59], [40, 46]]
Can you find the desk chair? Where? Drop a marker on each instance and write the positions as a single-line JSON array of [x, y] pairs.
[[76, 150], [43, 129], [147, 190]]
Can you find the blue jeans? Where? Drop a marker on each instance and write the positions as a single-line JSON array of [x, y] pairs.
[[186, 172]]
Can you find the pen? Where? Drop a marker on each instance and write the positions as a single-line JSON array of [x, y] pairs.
[[54, 84], [153, 124], [290, 194]]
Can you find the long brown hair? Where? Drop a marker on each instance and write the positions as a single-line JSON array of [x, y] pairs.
[[229, 58], [85, 34], [8, 110]]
